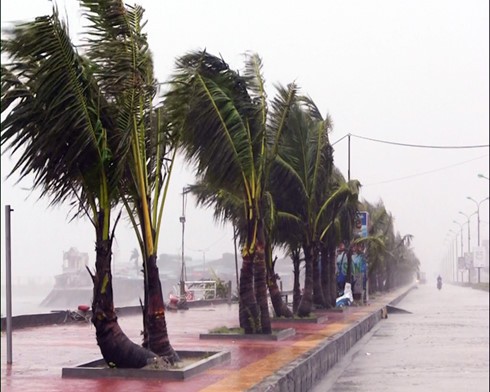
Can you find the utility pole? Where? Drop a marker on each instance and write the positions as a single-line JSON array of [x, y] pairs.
[[182, 299], [348, 157], [8, 273]]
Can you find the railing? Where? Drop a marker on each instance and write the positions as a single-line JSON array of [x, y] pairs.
[[200, 289], [286, 296]]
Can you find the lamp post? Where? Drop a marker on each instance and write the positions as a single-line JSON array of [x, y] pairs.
[[478, 203], [468, 222], [182, 300], [461, 231], [462, 254], [454, 254], [469, 237]]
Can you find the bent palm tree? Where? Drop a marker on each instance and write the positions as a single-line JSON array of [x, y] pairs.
[[116, 42], [63, 124], [303, 191], [223, 121]]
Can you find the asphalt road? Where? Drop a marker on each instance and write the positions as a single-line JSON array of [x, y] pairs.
[[441, 345]]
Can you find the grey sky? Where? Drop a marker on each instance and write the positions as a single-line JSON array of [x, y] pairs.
[[412, 72]]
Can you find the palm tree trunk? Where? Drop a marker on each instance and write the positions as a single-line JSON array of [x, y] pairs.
[[348, 278], [318, 298], [329, 281], [295, 255], [261, 288], [333, 269], [116, 348], [155, 334], [306, 303], [280, 308], [248, 312]]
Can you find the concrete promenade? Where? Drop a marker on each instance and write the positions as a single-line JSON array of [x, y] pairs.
[[293, 364]]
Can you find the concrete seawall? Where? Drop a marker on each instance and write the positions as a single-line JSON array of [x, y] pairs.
[[72, 316]]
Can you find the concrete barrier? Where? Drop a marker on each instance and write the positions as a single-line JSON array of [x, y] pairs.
[[72, 316], [303, 373], [37, 320]]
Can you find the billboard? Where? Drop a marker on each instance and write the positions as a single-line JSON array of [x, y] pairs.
[[461, 265], [479, 257], [361, 224]]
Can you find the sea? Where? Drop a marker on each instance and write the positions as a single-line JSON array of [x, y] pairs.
[[24, 304]]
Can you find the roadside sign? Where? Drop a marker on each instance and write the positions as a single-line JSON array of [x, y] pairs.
[[479, 257], [361, 224], [461, 263]]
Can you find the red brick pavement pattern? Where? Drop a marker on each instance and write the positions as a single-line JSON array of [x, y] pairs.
[[40, 353]]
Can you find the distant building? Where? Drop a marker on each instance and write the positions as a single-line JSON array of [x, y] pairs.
[[73, 260]]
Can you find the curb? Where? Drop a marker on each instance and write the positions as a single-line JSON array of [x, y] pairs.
[[303, 373]]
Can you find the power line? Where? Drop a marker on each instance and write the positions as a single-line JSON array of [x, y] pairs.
[[411, 145], [424, 173], [419, 145]]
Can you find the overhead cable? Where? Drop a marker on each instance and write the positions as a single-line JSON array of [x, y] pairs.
[[412, 145]]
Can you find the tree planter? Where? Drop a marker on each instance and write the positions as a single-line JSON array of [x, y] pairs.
[[278, 334], [195, 362], [316, 319], [334, 310]]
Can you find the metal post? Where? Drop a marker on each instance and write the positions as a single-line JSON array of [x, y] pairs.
[[477, 203], [8, 273], [462, 250], [182, 299], [235, 235], [348, 157], [455, 258]]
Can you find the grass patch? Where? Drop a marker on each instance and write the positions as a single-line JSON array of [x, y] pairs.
[[227, 330], [296, 317], [237, 331]]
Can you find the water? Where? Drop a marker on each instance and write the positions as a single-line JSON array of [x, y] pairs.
[[24, 304]]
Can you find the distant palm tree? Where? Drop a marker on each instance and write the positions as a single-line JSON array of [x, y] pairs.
[[228, 131], [72, 117], [134, 256], [302, 189]]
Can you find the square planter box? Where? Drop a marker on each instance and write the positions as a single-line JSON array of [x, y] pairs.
[[99, 368], [275, 335], [317, 319]]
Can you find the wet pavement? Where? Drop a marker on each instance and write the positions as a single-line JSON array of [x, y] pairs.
[[441, 345], [40, 353]]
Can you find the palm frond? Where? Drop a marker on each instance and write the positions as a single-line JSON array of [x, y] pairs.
[[58, 116], [209, 105]]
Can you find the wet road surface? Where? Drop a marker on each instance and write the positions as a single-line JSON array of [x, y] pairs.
[[442, 345]]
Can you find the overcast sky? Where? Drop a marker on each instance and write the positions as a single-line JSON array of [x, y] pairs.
[[410, 72]]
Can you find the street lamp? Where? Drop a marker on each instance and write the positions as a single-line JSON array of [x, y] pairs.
[[461, 228], [477, 213], [482, 176], [462, 248], [183, 275], [468, 222], [454, 253]]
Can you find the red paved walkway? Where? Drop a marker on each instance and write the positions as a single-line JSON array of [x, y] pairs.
[[40, 353]]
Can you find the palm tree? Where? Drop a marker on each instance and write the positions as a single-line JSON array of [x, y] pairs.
[[116, 42], [227, 131], [381, 226], [302, 190], [391, 262], [65, 121]]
